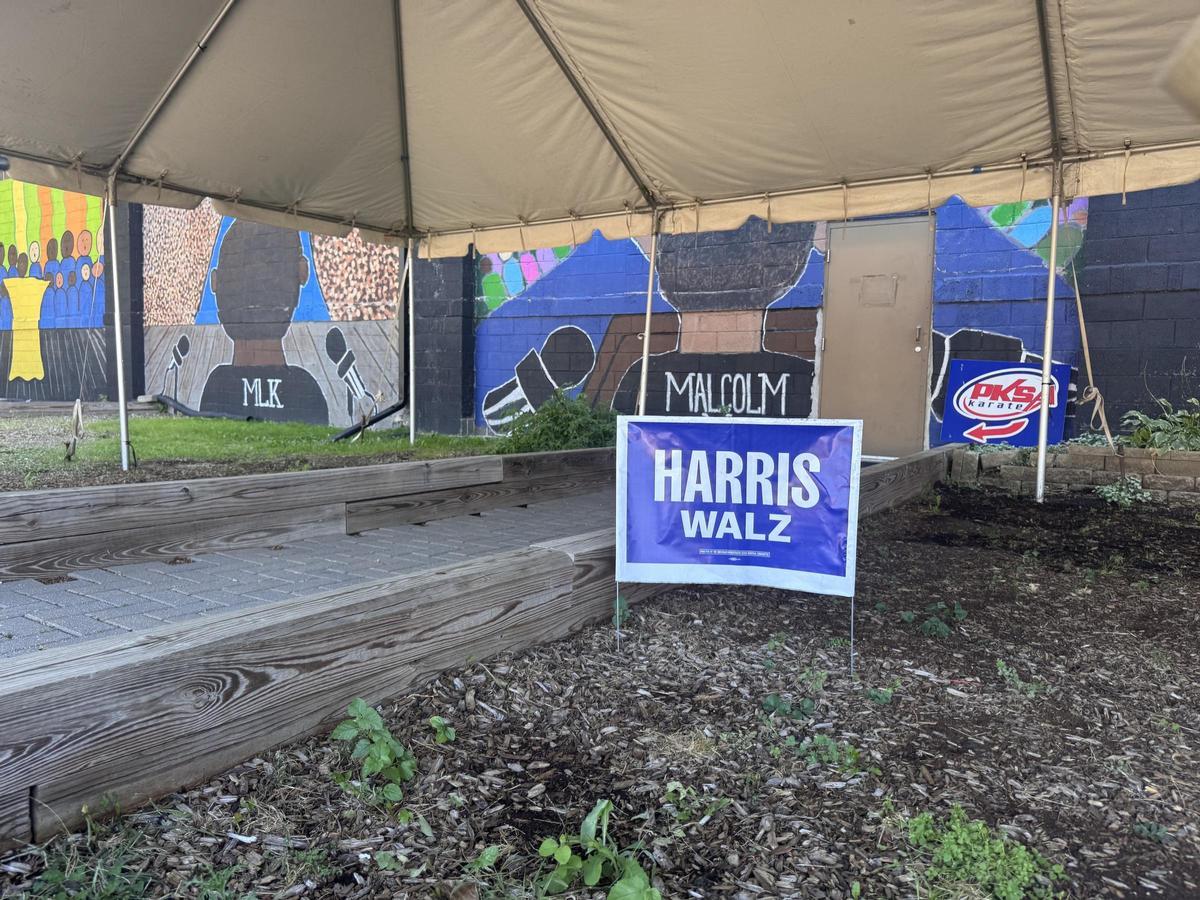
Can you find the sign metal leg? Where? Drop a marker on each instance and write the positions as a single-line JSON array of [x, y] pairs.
[[851, 635]]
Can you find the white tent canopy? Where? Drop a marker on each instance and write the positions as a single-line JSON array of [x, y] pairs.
[[529, 123], [512, 125]]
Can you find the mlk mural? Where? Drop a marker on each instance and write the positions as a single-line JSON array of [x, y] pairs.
[[736, 314], [251, 321], [52, 283]]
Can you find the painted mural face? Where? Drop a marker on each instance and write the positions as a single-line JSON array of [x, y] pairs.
[[257, 288]]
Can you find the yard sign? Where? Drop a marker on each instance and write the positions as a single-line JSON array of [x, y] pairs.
[[772, 502], [991, 402]]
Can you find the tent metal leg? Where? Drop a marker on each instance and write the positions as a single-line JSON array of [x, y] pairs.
[[411, 375], [118, 336], [641, 403], [1048, 338]]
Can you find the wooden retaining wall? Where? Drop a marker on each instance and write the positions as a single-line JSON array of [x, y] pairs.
[[130, 718], [891, 483], [53, 532]]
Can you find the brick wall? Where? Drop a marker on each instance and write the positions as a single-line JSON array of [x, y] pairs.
[[1140, 281]]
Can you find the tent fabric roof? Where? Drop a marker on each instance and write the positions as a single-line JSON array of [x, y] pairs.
[[531, 123]]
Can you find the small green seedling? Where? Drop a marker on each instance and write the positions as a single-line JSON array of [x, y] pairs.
[[389, 861], [907, 617], [487, 858], [593, 858], [1151, 831], [883, 696], [1123, 493], [386, 763], [686, 806], [801, 709], [1027, 689], [935, 627], [621, 615], [443, 731]]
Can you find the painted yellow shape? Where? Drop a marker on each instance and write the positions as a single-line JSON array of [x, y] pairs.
[[26, 297]]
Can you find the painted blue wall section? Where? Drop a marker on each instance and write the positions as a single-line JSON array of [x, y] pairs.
[[600, 279]]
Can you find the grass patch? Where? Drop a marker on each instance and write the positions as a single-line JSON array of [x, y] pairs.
[[167, 439]]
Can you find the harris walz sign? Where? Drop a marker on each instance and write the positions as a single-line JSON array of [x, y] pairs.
[[772, 502]]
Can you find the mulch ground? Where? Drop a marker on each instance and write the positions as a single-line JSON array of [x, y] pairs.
[[1094, 611]]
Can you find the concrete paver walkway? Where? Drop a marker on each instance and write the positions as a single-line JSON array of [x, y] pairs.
[[127, 599]]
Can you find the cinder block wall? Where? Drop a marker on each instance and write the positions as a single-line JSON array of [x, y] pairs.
[[1140, 281]]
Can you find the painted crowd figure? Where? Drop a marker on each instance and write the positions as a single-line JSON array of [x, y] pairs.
[[256, 282]]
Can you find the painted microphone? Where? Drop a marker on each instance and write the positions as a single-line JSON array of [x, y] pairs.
[[343, 357], [565, 360], [178, 354]]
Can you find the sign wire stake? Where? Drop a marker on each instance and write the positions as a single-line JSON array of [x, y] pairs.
[[851, 635], [617, 615]]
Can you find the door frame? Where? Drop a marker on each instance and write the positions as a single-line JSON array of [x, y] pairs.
[[927, 406]]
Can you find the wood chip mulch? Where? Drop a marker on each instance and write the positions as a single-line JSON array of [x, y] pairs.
[[1094, 611]]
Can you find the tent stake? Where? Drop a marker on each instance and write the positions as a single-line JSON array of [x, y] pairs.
[[119, 338], [1048, 338], [641, 403], [411, 376]]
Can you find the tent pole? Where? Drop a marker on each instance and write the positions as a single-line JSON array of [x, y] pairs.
[[411, 376], [118, 336], [641, 403], [1048, 338]]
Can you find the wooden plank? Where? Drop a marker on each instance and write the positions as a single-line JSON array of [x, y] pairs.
[[367, 514], [136, 718], [594, 585], [568, 462], [63, 512], [889, 484], [57, 556]]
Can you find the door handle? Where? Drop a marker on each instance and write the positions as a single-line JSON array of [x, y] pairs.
[[917, 348]]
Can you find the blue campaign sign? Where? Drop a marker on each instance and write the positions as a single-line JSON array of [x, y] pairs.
[[997, 402], [738, 501]]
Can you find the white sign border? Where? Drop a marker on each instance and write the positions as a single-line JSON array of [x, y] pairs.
[[765, 576]]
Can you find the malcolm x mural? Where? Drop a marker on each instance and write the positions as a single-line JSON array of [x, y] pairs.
[[745, 341]]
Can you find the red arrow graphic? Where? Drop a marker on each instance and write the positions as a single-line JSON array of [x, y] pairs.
[[981, 432]]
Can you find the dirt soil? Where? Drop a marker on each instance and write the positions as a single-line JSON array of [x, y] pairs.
[[1088, 752]]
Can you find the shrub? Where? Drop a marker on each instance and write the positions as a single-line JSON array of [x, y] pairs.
[[561, 424], [1174, 429]]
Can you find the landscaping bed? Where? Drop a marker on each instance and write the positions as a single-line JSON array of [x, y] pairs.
[[168, 448], [1033, 665]]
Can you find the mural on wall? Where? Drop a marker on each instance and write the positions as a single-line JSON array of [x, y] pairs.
[[734, 323], [52, 284], [736, 314], [252, 321], [990, 289]]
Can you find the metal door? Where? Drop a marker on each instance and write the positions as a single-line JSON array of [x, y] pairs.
[[876, 323]]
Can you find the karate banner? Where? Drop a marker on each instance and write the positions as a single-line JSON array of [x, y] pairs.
[[772, 502]]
